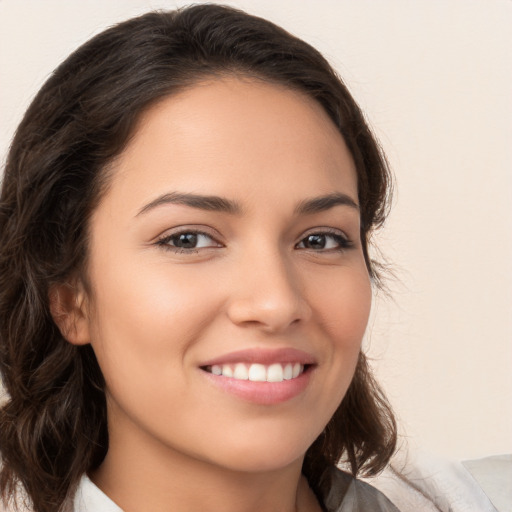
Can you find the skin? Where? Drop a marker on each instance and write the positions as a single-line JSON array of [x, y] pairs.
[[156, 313]]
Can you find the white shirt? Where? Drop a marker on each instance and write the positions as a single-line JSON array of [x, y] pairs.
[[345, 495], [89, 498], [432, 485]]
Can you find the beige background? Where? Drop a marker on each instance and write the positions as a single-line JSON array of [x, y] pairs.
[[434, 77]]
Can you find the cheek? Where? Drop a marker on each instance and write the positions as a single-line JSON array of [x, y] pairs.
[[144, 334], [148, 322], [344, 308], [343, 311]]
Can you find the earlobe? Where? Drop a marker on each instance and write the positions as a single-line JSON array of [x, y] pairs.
[[68, 307]]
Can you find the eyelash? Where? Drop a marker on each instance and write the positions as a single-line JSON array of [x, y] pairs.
[[342, 240]]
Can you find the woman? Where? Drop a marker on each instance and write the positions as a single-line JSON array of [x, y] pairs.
[[185, 277]]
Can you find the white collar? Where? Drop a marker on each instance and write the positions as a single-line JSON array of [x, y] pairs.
[[89, 498]]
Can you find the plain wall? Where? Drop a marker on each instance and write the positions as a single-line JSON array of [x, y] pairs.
[[434, 78]]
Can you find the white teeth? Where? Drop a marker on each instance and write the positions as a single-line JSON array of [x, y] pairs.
[[275, 373], [241, 372], [227, 370], [258, 372]]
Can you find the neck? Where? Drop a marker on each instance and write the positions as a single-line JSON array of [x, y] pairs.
[[139, 475]]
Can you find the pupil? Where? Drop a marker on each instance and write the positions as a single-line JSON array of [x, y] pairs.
[[316, 241], [187, 240]]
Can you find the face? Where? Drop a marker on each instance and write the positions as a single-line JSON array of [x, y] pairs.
[[229, 288]]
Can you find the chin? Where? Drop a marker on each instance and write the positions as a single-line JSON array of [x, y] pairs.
[[262, 462], [263, 454]]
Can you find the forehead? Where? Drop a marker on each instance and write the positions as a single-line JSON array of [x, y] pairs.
[[220, 134]]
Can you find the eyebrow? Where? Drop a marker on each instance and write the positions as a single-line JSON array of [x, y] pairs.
[[221, 204], [323, 203], [208, 203]]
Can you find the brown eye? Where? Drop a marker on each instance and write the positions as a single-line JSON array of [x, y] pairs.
[[324, 241], [188, 240], [185, 240], [315, 241]]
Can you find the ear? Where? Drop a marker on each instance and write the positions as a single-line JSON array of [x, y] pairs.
[[68, 307]]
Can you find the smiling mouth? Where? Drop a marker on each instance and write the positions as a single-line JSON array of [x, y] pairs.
[[255, 372]]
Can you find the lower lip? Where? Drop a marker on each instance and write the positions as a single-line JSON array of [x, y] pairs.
[[262, 393]]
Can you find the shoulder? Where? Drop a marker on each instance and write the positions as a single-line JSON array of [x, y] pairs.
[[345, 493], [429, 483]]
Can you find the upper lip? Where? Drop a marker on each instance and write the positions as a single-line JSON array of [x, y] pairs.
[[263, 356]]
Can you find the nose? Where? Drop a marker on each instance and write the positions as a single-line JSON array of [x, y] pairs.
[[268, 293]]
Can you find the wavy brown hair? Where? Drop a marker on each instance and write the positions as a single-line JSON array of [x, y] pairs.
[[53, 424]]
